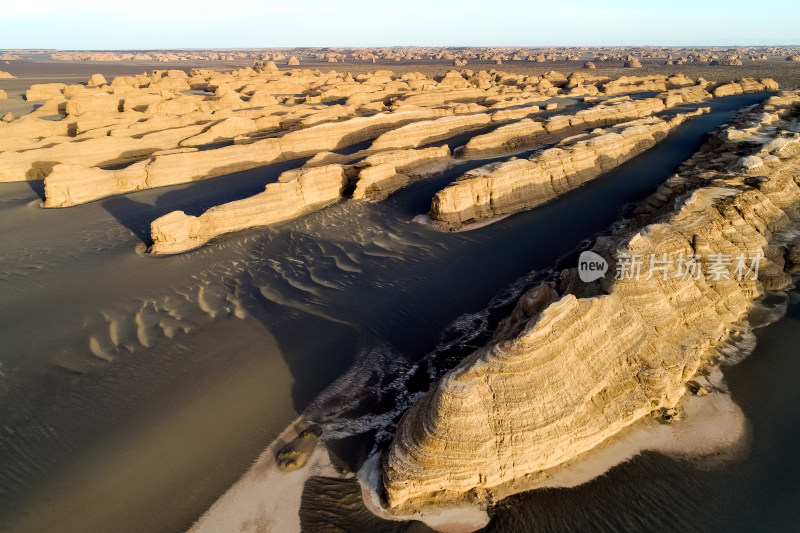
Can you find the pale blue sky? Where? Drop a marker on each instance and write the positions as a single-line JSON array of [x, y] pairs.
[[149, 24]]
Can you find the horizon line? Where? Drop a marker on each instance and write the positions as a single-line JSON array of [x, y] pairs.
[[310, 47]]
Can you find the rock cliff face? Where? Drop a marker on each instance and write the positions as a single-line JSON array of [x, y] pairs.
[[518, 184], [296, 193], [69, 185], [383, 173], [514, 136], [746, 85], [36, 164], [268, 115], [548, 388], [428, 131], [527, 133]]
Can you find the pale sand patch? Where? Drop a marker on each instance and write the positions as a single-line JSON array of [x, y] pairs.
[[425, 219], [266, 498]]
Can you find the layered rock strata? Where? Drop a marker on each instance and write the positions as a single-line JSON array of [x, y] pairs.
[[69, 184], [383, 173], [518, 184], [429, 131], [548, 388], [297, 192], [529, 132], [245, 118]]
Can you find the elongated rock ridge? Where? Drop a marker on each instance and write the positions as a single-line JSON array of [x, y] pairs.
[[518, 184], [548, 388], [527, 132], [383, 173], [297, 192], [69, 184]]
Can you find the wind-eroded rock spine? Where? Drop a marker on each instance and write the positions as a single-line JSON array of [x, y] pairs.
[[548, 388]]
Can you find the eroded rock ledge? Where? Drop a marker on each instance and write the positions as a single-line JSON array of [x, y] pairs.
[[518, 184], [549, 387], [296, 192]]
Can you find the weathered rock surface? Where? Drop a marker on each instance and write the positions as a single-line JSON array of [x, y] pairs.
[[70, 185], [603, 115], [510, 186], [383, 173], [297, 192], [37, 163], [548, 388], [746, 85], [519, 134], [686, 95], [96, 80], [45, 91], [429, 131], [270, 115], [528, 133]]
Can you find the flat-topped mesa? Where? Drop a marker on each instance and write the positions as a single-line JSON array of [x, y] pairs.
[[548, 388], [746, 85], [634, 84], [37, 163], [605, 115], [686, 95], [527, 133], [510, 186], [429, 131], [296, 193], [383, 173], [508, 138], [74, 184]]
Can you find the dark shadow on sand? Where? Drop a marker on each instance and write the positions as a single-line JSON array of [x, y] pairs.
[[137, 210], [37, 186]]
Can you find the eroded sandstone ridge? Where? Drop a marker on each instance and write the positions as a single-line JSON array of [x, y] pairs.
[[517, 184], [548, 388], [295, 193], [225, 122], [99, 139]]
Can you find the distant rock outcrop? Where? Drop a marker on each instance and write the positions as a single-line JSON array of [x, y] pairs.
[[746, 85], [96, 80], [510, 186], [428, 131], [728, 61], [44, 91]]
